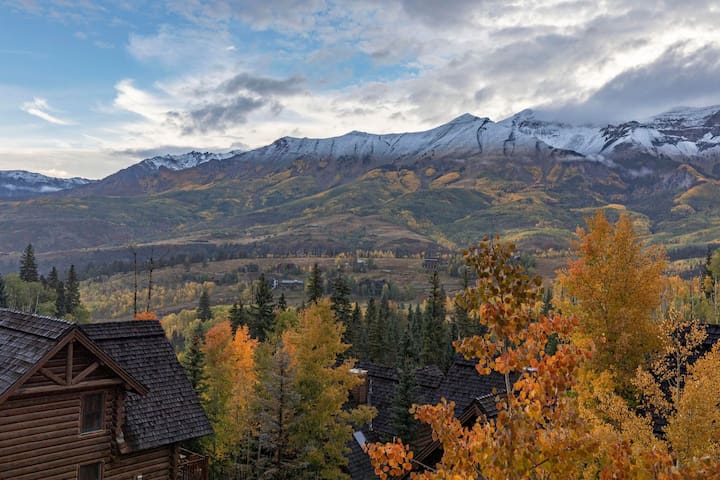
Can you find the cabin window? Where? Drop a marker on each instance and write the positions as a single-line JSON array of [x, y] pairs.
[[92, 471], [92, 414]]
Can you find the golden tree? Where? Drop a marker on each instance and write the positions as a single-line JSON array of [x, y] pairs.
[[613, 287], [537, 432]]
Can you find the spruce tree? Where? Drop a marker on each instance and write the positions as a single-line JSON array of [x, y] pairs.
[[435, 336], [60, 300], [375, 333], [194, 360], [405, 394], [282, 302], [263, 310], [72, 291], [28, 265], [341, 307], [276, 404], [3, 294], [315, 285], [238, 315], [203, 311], [358, 334], [53, 278]]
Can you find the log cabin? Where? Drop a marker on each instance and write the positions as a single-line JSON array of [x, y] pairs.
[[103, 401]]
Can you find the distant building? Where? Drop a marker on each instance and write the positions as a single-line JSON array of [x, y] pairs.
[[104, 401]]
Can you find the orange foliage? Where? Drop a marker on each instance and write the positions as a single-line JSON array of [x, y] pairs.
[[146, 316]]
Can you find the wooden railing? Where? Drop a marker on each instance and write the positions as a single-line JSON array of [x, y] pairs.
[[192, 466]]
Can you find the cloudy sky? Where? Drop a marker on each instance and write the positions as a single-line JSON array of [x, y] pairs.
[[89, 87]]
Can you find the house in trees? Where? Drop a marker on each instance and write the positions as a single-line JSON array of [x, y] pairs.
[[105, 401], [475, 396]]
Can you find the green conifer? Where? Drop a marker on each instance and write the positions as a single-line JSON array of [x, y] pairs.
[[314, 288], [28, 265], [72, 291], [60, 300], [203, 311], [194, 359], [435, 338], [263, 310]]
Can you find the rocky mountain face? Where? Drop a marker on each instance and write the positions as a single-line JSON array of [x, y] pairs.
[[532, 179], [21, 184]]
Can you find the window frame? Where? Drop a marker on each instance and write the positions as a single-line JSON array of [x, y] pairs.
[[83, 398], [101, 469]]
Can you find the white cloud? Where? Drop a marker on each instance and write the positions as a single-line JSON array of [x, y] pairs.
[[39, 107]]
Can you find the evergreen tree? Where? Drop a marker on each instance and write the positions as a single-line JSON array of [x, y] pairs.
[[60, 300], [282, 302], [203, 311], [405, 395], [263, 310], [3, 294], [341, 307], [358, 334], [238, 315], [72, 291], [28, 265], [415, 320], [435, 336], [194, 360], [53, 278], [314, 288], [375, 333], [276, 404]]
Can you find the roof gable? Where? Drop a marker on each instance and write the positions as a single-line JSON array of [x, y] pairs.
[[170, 412], [28, 341]]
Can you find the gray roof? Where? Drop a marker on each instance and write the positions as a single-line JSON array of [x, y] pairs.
[[170, 412], [24, 340]]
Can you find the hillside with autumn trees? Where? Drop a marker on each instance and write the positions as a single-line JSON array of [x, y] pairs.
[[606, 371]]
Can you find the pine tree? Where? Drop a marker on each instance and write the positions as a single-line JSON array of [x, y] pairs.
[[263, 310], [60, 300], [276, 404], [282, 302], [315, 285], [194, 360], [3, 294], [72, 291], [358, 334], [28, 265], [203, 311], [405, 395], [340, 305], [238, 315], [435, 336], [53, 278], [375, 334]]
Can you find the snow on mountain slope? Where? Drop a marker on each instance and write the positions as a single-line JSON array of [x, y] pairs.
[[19, 183], [185, 160], [464, 137]]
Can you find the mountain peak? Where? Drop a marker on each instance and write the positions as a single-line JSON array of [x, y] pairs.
[[464, 118]]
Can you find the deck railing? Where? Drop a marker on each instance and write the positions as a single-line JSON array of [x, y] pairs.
[[192, 466]]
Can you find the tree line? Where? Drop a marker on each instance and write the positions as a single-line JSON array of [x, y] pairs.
[[46, 295]]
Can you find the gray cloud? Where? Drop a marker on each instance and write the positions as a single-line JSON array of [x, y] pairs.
[[677, 78], [261, 85], [215, 116]]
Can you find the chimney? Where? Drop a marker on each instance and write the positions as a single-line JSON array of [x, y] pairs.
[[360, 392]]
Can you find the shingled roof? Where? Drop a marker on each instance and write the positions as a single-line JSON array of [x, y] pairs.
[[24, 340], [170, 412]]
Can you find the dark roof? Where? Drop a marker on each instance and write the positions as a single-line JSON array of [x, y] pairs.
[[24, 340], [170, 412], [359, 466], [463, 384]]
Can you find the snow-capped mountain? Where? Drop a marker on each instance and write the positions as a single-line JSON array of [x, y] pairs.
[[683, 134], [185, 160], [21, 184]]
